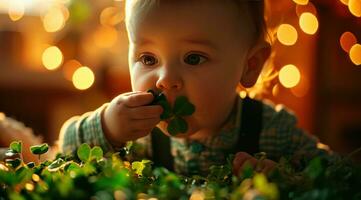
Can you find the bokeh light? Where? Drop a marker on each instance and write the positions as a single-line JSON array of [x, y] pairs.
[[16, 10], [54, 20], [355, 7], [355, 54], [289, 76], [301, 2], [345, 2], [308, 23], [52, 58], [287, 34], [83, 78], [347, 40], [111, 16]]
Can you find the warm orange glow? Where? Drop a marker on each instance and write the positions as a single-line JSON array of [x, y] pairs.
[[308, 23], [243, 94], [16, 10], [302, 88], [287, 34], [345, 2], [52, 58], [83, 78], [355, 54], [69, 68], [289, 76], [111, 16], [105, 37], [276, 90], [54, 20], [306, 8], [355, 7], [347, 40], [301, 2]]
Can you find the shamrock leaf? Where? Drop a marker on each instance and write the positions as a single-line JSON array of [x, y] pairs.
[[83, 152], [14, 163], [96, 153], [177, 125], [182, 107], [57, 163], [39, 149], [162, 101], [16, 146], [142, 168]]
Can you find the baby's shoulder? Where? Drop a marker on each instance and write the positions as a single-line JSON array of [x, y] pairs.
[[277, 114]]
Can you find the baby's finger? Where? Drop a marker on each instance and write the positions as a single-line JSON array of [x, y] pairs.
[[145, 112], [143, 124], [139, 99]]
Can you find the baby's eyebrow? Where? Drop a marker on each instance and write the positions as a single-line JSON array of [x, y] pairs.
[[202, 42]]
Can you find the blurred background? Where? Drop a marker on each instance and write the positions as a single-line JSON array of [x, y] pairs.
[[60, 58]]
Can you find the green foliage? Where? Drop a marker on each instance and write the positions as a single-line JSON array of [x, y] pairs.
[[39, 149], [182, 108], [16, 146], [93, 176]]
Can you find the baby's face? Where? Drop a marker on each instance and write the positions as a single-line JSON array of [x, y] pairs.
[[195, 49]]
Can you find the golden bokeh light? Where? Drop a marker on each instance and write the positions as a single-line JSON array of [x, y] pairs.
[[301, 2], [287, 34], [105, 37], [243, 94], [111, 16], [355, 7], [54, 20], [347, 40], [308, 23], [276, 90], [52, 58], [83, 78], [16, 10], [355, 54], [69, 68], [289, 76]]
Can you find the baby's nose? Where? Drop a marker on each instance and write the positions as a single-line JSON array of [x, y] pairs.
[[169, 79]]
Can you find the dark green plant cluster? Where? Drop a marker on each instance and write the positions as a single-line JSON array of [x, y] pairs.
[[91, 175], [182, 108]]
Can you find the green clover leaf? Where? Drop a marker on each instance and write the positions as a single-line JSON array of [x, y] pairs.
[[96, 153], [39, 149], [83, 152], [177, 125], [16, 146], [142, 168], [182, 107]]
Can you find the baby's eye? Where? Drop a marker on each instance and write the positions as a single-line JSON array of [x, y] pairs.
[[148, 60], [194, 59]]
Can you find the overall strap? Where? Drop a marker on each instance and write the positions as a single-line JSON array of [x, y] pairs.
[[251, 126], [161, 149]]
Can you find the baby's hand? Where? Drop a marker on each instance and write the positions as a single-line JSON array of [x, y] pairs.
[[129, 116], [241, 159]]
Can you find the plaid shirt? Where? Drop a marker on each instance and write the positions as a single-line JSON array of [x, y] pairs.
[[279, 137]]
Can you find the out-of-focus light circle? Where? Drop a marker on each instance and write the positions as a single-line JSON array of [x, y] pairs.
[[289, 76], [355, 7], [52, 58], [287, 34], [16, 10], [345, 2], [54, 20], [355, 54], [83, 78], [111, 16], [276, 90], [347, 40], [105, 37], [301, 2], [308, 23], [306, 8], [69, 68], [243, 94]]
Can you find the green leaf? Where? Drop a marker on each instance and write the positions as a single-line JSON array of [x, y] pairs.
[[142, 168], [16, 146], [96, 153], [13, 163], [182, 107], [177, 125], [39, 149], [57, 163], [162, 101], [84, 152]]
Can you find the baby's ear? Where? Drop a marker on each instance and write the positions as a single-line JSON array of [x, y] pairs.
[[256, 58]]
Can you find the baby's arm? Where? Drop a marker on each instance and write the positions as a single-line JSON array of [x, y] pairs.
[[127, 117]]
